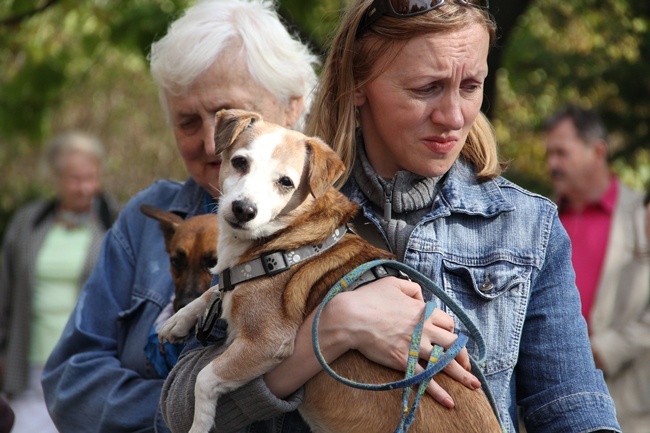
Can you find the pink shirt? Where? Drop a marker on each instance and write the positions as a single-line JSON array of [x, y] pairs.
[[589, 233]]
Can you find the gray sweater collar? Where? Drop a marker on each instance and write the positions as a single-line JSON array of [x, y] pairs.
[[406, 192]]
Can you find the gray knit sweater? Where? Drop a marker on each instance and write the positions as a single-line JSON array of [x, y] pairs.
[[400, 203], [235, 410]]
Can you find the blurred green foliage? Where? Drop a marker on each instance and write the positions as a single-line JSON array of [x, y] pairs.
[[83, 64], [591, 52], [80, 64]]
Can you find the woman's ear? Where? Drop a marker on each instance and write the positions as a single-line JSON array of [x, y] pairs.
[[294, 110], [359, 97]]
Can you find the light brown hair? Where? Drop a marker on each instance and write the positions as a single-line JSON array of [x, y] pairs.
[[352, 62]]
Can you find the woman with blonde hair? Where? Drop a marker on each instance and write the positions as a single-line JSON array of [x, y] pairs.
[[400, 101]]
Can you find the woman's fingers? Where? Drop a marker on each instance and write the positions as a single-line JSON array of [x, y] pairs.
[[460, 374], [442, 320], [436, 391], [380, 321], [439, 330], [460, 367], [456, 372], [408, 287]]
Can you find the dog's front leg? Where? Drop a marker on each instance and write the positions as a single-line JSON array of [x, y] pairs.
[[178, 326], [243, 361]]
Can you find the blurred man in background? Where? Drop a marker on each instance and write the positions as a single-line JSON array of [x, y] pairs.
[[606, 223]]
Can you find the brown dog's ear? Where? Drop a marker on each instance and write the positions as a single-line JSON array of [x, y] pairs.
[[325, 166], [169, 222], [229, 124]]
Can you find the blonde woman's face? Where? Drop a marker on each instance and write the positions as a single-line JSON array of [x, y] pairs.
[[418, 113]]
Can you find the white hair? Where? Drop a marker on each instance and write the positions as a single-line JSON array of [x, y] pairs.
[[276, 60], [70, 142]]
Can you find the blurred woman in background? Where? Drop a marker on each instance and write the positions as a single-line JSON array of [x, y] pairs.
[[49, 249]]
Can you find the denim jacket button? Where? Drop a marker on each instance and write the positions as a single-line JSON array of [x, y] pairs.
[[486, 286]]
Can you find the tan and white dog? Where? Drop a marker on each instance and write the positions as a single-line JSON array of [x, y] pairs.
[[278, 195]]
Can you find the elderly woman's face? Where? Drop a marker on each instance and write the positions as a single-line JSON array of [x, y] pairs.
[[416, 115], [192, 116], [78, 181]]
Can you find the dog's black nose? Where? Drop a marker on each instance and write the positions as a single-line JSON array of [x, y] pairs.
[[244, 210]]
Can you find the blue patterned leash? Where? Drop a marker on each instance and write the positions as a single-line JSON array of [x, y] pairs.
[[434, 365], [438, 358]]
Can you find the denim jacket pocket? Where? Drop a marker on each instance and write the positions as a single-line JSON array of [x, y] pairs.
[[488, 282], [128, 316], [494, 295], [134, 326]]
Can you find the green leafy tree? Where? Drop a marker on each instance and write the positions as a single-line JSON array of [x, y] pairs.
[[83, 64]]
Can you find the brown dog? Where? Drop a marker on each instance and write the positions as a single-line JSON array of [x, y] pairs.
[[278, 196], [192, 248]]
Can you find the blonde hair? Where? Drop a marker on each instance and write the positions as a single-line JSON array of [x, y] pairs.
[[352, 62]]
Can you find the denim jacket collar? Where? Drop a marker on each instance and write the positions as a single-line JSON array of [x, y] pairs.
[[459, 192], [189, 201], [462, 193]]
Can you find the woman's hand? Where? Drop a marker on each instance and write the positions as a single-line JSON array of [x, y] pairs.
[[380, 318]]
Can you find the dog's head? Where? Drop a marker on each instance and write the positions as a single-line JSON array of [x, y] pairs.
[[192, 248], [269, 173]]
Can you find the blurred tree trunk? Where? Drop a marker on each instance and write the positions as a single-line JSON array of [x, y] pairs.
[[506, 13]]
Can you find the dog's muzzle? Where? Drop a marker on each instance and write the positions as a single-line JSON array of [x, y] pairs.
[[244, 210]]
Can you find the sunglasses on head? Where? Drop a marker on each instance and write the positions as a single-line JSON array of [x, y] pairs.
[[407, 8]]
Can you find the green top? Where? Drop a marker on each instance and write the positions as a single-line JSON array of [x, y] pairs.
[[59, 266]]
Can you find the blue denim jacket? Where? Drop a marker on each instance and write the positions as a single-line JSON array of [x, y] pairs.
[[98, 374], [501, 253]]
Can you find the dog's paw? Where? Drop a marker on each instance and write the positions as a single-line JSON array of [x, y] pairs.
[[176, 328]]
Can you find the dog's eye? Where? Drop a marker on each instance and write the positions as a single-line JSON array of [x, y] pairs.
[[285, 182], [178, 262], [239, 163], [209, 262]]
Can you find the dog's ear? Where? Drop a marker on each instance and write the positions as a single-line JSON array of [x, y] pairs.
[[325, 166], [229, 124], [169, 222]]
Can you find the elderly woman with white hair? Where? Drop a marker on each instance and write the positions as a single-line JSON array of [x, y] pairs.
[[218, 54], [49, 249]]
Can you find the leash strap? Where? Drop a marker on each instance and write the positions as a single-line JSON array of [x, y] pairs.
[[408, 414], [207, 321], [372, 274], [365, 228], [438, 358]]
